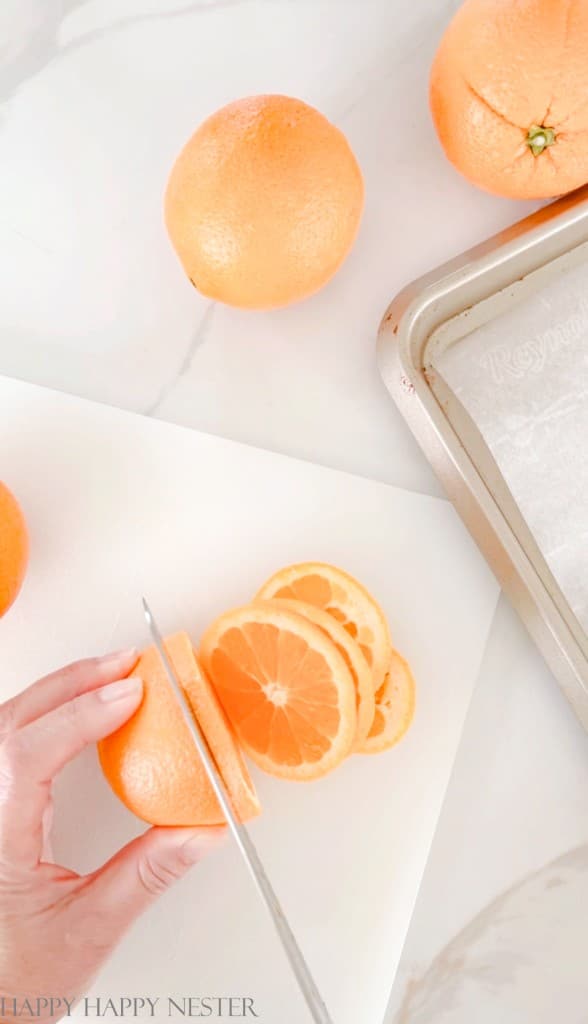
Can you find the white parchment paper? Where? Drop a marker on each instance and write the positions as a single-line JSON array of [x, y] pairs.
[[523, 377]]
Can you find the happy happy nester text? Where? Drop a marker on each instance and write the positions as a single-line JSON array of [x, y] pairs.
[[45, 1007]]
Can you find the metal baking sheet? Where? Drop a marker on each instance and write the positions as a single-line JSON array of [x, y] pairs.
[[421, 326]]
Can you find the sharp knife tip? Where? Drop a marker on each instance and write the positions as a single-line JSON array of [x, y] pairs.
[[147, 611]]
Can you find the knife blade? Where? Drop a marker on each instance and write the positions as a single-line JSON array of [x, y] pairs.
[[245, 845]]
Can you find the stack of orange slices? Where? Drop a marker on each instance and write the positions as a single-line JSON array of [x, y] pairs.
[[298, 679]]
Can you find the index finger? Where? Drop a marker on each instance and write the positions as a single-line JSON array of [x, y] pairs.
[[33, 755], [62, 686]]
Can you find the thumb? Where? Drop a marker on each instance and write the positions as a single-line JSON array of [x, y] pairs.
[[128, 883]]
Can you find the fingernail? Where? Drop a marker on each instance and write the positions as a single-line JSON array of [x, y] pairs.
[[196, 848], [125, 655], [121, 690]]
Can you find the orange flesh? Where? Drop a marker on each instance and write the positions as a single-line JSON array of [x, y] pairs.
[[297, 732], [345, 599], [395, 705], [352, 655], [285, 688]]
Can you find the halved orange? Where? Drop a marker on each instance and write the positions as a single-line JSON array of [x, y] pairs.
[[365, 701], [151, 762], [395, 702], [285, 688], [339, 594]]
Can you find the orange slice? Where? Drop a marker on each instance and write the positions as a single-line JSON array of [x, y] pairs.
[[365, 702], [285, 688], [395, 703], [345, 599], [151, 762]]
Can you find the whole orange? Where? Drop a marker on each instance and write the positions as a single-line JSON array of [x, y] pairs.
[[14, 548], [264, 202], [509, 95]]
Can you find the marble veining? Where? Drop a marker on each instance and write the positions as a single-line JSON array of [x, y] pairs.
[[522, 958], [196, 341]]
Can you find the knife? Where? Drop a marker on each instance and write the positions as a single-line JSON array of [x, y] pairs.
[[306, 983]]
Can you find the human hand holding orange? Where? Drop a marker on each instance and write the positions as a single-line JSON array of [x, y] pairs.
[[57, 928]]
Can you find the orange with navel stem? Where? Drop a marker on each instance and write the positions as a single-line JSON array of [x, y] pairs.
[[509, 95], [14, 548], [264, 202], [151, 762]]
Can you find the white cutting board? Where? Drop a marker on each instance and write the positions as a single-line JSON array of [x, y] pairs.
[[120, 505]]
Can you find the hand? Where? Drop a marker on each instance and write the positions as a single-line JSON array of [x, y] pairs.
[[57, 928]]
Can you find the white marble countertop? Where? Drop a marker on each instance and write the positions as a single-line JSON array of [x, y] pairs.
[[96, 97]]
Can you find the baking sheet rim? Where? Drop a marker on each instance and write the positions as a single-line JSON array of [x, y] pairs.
[[404, 333]]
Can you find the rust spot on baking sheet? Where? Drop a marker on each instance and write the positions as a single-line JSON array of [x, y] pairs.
[[387, 319]]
